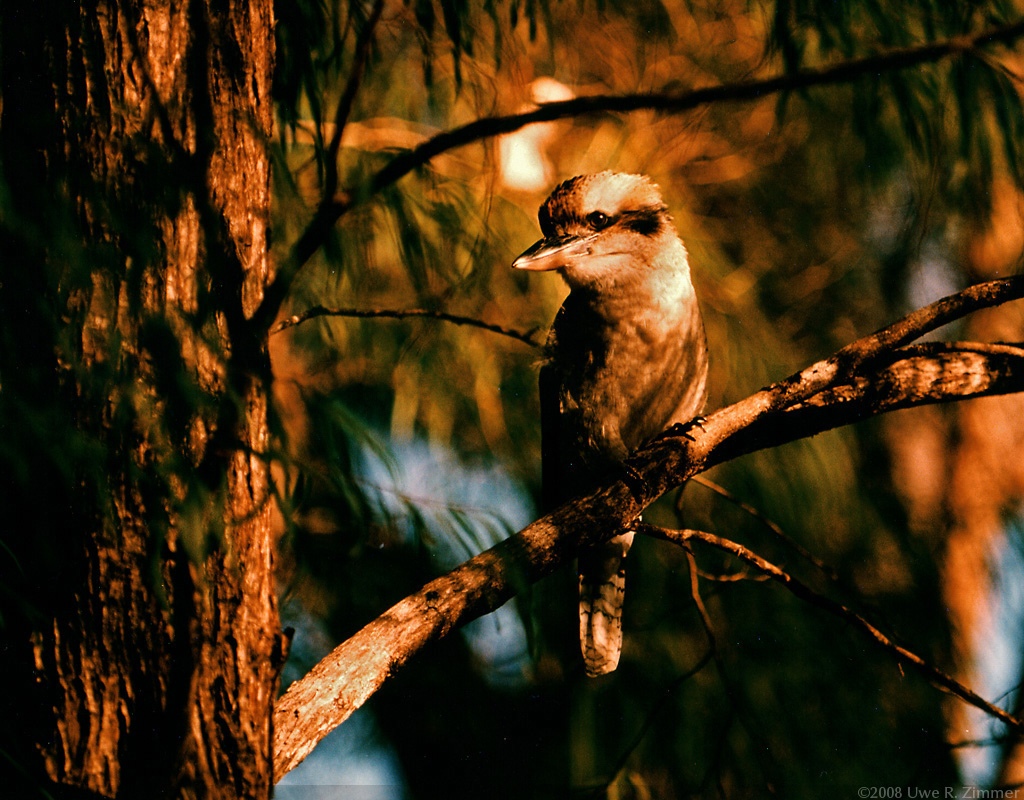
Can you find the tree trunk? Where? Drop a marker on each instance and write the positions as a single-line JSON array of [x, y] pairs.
[[134, 143]]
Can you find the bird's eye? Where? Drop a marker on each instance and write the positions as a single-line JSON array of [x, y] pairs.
[[598, 220]]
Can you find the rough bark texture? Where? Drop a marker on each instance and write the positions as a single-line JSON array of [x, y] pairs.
[[154, 648]]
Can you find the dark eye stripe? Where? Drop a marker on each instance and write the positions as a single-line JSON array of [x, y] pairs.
[[645, 221], [555, 214]]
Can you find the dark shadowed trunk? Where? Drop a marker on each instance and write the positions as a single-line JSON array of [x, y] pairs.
[[134, 145]]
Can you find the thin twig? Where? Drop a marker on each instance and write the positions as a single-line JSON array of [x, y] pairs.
[[732, 577], [348, 96], [326, 214], [763, 752], [846, 71], [982, 348], [702, 611], [391, 313], [771, 525], [804, 592], [889, 61], [652, 715]]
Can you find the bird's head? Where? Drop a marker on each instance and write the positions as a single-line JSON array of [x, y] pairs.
[[604, 230]]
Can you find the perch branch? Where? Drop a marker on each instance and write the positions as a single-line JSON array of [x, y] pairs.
[[822, 397]]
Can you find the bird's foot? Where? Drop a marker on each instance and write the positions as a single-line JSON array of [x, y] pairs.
[[636, 482], [682, 429]]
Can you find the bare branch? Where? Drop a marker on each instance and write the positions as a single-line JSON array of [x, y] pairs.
[[326, 214], [843, 72], [824, 396], [865, 351], [804, 592], [927, 375], [346, 101], [323, 311], [332, 208], [917, 375], [771, 525]]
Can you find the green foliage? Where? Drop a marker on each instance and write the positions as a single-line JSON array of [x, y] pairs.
[[807, 218], [804, 217], [942, 117]]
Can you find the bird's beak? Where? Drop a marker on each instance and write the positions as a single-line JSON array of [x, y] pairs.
[[554, 252]]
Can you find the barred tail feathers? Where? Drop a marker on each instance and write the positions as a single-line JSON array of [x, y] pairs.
[[602, 590]]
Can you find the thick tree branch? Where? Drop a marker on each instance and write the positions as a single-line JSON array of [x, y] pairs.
[[804, 592], [915, 376], [741, 428], [390, 313], [333, 205], [869, 377]]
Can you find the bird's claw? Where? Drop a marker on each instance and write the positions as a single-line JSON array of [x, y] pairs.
[[683, 428], [637, 483]]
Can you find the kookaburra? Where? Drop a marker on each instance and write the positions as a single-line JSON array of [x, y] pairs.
[[626, 357]]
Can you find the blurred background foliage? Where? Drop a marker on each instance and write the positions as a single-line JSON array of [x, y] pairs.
[[407, 445], [811, 218]]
